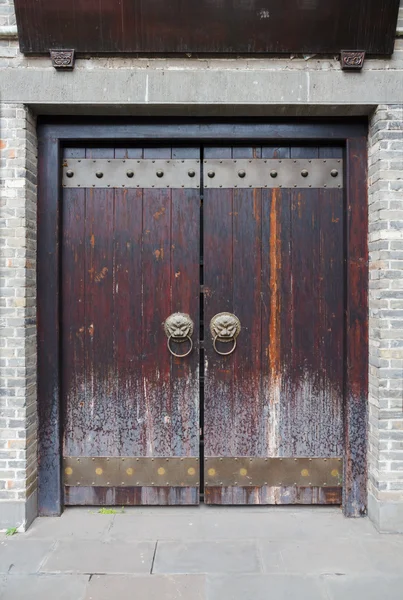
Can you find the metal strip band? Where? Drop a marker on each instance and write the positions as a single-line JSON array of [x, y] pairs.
[[226, 173], [131, 471], [257, 472], [273, 173], [130, 173]]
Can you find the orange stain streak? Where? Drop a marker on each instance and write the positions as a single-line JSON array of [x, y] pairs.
[[275, 307]]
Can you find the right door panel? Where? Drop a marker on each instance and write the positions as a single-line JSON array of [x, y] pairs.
[[275, 258]]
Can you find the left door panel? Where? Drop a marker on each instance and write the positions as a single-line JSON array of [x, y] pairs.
[[130, 258]]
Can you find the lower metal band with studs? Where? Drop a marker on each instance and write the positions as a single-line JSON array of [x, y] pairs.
[[275, 472], [128, 471], [218, 472], [226, 173]]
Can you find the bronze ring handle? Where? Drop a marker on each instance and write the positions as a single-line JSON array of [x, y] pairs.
[[182, 340], [226, 341]]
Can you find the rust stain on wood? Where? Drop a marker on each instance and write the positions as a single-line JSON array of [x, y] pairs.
[[159, 254], [275, 302], [159, 213]]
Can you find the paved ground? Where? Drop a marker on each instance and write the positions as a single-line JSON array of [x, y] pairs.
[[250, 553]]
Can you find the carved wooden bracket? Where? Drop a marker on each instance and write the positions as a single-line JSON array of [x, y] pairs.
[[352, 60], [62, 60]]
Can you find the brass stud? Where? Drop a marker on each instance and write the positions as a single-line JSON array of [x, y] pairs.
[[130, 174], [69, 174], [273, 174], [241, 174], [68, 471], [99, 174], [211, 174], [160, 174]]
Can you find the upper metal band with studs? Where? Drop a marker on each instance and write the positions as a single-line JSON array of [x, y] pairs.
[[130, 173], [226, 173], [273, 173]]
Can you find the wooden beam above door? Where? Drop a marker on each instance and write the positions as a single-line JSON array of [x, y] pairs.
[[207, 26]]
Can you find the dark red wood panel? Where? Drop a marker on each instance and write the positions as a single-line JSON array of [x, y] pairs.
[[285, 281], [209, 26], [129, 259], [218, 255]]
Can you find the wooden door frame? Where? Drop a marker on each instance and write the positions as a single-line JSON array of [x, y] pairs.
[[54, 134]]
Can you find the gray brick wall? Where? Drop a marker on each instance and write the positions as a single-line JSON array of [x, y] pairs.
[[18, 421], [7, 13], [386, 303]]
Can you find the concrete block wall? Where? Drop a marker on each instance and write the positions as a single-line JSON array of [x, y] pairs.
[[18, 415], [386, 317]]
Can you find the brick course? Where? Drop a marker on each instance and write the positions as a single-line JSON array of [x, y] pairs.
[[18, 420], [386, 303]]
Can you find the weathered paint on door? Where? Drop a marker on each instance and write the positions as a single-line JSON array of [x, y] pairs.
[[130, 258], [275, 259]]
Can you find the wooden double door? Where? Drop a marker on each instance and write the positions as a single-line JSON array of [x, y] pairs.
[[244, 408]]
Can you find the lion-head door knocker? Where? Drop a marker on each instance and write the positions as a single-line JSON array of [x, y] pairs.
[[225, 327], [179, 328]]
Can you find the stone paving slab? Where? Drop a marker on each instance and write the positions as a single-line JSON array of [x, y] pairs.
[[364, 588], [20, 555], [45, 587], [149, 587], [97, 557], [207, 557], [238, 523], [89, 523], [161, 527], [317, 558], [264, 587]]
